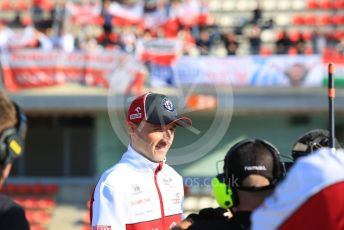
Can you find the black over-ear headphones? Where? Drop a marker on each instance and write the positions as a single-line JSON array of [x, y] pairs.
[[223, 189], [12, 139]]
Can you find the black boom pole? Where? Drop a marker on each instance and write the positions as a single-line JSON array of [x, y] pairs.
[[331, 96]]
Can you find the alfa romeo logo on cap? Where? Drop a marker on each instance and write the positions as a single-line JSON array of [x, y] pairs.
[[167, 104]]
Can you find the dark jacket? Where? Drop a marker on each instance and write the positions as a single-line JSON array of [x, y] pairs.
[[12, 216], [213, 219]]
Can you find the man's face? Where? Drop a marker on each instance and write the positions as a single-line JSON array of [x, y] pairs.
[[152, 141]]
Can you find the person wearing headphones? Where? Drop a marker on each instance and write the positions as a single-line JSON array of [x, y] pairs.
[[141, 191], [12, 134], [251, 170]]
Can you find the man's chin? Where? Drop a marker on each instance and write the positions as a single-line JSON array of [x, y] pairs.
[[160, 154]]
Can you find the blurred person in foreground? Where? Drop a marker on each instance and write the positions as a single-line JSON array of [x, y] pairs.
[[12, 134], [141, 191], [252, 168], [311, 196]]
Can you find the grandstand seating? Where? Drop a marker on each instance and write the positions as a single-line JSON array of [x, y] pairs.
[[303, 16], [38, 200]]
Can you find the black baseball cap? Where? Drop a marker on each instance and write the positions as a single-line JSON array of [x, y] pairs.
[[155, 109], [252, 157], [311, 141]]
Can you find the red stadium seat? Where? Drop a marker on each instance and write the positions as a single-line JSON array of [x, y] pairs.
[[307, 35], [6, 5], [309, 50], [24, 188], [311, 20], [51, 189], [339, 4], [326, 20], [338, 19], [326, 4], [47, 5], [37, 189], [312, 4], [265, 51], [26, 21], [298, 20], [21, 5], [292, 51], [339, 35], [294, 36]]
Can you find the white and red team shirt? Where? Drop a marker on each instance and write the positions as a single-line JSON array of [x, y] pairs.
[[137, 194], [310, 197]]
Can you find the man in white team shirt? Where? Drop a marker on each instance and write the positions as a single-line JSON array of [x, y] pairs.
[[141, 192]]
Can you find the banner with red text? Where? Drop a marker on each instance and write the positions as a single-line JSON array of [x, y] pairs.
[[34, 68]]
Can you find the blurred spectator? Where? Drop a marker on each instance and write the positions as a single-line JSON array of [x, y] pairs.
[[59, 13], [340, 47], [230, 42], [106, 14], [189, 13], [66, 41], [44, 38], [204, 42], [173, 9], [41, 14], [6, 36], [17, 21], [188, 40], [150, 6], [37, 11], [298, 43], [255, 39], [88, 43], [331, 40], [318, 41], [257, 15], [128, 39], [108, 39], [283, 43], [155, 14]]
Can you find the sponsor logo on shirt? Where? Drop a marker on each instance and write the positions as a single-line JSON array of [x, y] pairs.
[[176, 199], [168, 182], [140, 201], [135, 188]]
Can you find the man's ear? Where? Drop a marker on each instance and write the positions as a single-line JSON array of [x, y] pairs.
[[131, 127]]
